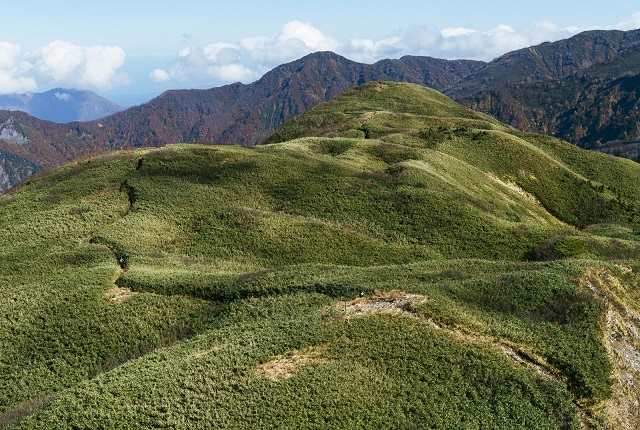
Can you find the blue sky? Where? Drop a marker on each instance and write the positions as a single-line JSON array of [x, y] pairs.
[[131, 50]]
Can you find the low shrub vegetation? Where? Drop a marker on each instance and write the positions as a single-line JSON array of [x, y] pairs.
[[149, 288]]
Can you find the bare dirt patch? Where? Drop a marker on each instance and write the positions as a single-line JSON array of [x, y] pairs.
[[118, 294], [394, 301], [515, 188], [285, 366], [14, 416], [623, 345]]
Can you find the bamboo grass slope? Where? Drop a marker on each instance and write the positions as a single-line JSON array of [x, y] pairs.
[[194, 286]]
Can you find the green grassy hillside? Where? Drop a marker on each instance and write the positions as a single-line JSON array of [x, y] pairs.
[[217, 287]]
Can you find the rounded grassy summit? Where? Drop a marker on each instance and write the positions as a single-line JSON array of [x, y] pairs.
[[195, 286]]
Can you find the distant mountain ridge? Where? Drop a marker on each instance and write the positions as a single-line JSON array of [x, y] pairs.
[[550, 61], [247, 114], [60, 105], [582, 89]]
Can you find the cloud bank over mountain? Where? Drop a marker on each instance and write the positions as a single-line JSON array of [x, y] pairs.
[[62, 63], [13, 71], [79, 66], [251, 57]]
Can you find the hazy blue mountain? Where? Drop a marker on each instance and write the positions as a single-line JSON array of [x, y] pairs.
[[60, 105]]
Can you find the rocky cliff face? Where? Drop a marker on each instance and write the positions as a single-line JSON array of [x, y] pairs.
[[13, 169], [593, 114]]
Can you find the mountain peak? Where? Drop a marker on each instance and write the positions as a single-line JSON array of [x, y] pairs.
[[61, 105]]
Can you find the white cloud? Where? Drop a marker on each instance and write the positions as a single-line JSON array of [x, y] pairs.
[[160, 75], [58, 59], [457, 42], [215, 62], [295, 40], [11, 84], [101, 66], [247, 60], [65, 63], [13, 70], [65, 97], [231, 72], [632, 24], [483, 45], [457, 32], [60, 63], [368, 51], [307, 34], [546, 31], [9, 53]]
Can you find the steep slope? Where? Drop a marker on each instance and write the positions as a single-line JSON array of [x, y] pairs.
[[245, 114], [208, 286], [13, 168], [599, 114], [549, 61], [60, 105], [367, 119], [33, 145], [582, 90]]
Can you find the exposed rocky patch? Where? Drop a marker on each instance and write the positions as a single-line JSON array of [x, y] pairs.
[[9, 133], [285, 366], [622, 339], [118, 294], [400, 302], [395, 301]]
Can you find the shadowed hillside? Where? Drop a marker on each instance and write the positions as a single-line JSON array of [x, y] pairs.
[[582, 89]]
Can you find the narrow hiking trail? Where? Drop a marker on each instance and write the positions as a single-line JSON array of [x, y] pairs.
[[118, 294], [402, 303]]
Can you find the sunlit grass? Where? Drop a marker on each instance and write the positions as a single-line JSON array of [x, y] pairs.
[[232, 256]]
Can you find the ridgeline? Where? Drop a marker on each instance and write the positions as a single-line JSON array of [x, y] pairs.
[[195, 286]]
